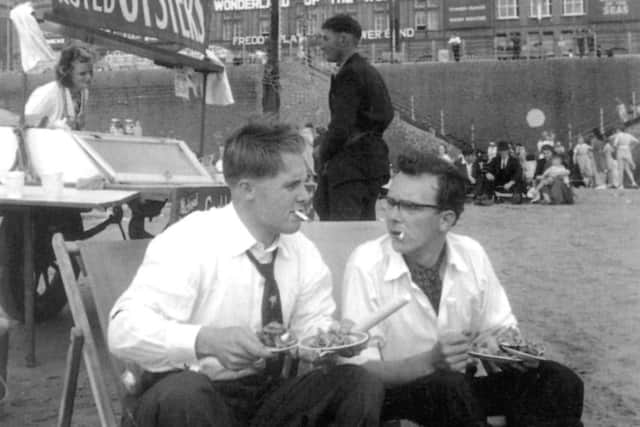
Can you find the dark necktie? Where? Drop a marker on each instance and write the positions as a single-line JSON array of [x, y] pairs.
[[271, 306], [428, 279]]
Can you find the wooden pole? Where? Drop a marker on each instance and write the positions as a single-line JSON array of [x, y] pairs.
[[413, 108], [271, 80], [442, 122], [203, 114]]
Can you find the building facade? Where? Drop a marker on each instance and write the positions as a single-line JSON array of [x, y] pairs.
[[488, 28], [499, 29]]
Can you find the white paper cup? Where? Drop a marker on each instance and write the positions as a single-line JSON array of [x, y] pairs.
[[14, 183], [52, 184]]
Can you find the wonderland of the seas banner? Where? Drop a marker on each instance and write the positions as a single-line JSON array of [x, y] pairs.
[[185, 22]]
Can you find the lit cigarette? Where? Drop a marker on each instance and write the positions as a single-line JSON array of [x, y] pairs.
[[301, 215], [401, 235]]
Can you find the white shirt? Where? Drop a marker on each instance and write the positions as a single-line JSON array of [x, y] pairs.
[[55, 102], [197, 273], [376, 274]]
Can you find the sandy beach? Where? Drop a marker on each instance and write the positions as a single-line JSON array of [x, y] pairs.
[[572, 274]]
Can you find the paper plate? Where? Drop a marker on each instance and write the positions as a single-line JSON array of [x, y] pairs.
[[283, 349], [521, 354], [358, 338], [493, 357]]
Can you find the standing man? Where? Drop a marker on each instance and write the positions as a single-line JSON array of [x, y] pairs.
[[354, 159], [455, 42], [454, 297], [210, 282]]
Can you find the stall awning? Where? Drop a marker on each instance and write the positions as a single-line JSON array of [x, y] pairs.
[[156, 29]]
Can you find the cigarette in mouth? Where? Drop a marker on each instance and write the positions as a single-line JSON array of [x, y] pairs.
[[401, 235], [301, 215]]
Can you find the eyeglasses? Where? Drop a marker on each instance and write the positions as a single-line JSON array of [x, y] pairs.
[[407, 206]]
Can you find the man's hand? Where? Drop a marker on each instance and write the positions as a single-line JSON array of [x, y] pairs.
[[235, 347], [450, 353], [490, 176], [508, 185]]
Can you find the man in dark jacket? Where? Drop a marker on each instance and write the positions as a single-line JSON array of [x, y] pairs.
[[503, 173], [354, 159]]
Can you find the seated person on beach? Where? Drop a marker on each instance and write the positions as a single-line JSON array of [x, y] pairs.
[[556, 191], [210, 282], [503, 173], [469, 168], [557, 171], [544, 162], [455, 297]]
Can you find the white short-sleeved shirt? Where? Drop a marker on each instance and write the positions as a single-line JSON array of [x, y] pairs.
[[472, 297]]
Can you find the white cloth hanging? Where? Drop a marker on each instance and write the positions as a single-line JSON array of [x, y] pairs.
[[35, 52], [218, 90]]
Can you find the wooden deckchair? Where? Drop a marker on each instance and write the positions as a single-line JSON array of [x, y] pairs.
[[108, 268]]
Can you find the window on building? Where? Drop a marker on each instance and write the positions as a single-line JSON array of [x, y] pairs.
[[433, 20], [263, 27], [507, 9], [433, 3], [313, 28], [300, 9], [421, 20], [300, 27], [380, 22], [227, 30], [420, 4], [237, 29], [573, 7], [540, 8]]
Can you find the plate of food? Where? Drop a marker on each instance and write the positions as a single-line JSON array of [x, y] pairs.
[[525, 352], [486, 347], [334, 340], [513, 342], [277, 338], [494, 357]]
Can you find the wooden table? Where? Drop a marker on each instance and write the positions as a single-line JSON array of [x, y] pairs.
[[34, 198]]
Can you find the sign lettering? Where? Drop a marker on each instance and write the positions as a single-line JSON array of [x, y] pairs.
[[180, 21], [467, 14], [614, 10], [407, 33]]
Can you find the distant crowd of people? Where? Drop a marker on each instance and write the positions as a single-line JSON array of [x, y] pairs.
[[507, 171]]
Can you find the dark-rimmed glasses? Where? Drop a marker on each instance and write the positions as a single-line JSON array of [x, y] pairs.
[[407, 206]]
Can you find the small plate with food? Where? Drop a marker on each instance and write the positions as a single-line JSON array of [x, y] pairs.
[[499, 358], [335, 340], [525, 352], [277, 338]]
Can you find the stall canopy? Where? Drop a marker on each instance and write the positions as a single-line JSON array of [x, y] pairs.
[[155, 29]]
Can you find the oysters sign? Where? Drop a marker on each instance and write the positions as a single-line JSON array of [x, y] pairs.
[[185, 22]]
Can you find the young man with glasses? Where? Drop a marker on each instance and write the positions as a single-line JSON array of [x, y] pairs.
[[455, 297]]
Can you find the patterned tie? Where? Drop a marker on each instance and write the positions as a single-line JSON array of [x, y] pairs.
[[428, 279], [271, 307]]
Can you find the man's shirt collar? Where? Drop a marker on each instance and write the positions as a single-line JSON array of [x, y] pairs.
[[241, 239], [397, 267]]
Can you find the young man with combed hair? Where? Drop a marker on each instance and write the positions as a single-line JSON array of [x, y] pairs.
[[210, 282], [354, 159], [455, 299]]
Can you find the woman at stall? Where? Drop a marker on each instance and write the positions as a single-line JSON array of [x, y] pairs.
[[62, 103]]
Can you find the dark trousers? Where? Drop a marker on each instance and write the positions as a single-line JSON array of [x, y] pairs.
[[344, 396], [549, 396], [485, 187], [347, 201]]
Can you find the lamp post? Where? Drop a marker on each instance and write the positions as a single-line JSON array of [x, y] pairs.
[[271, 78]]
